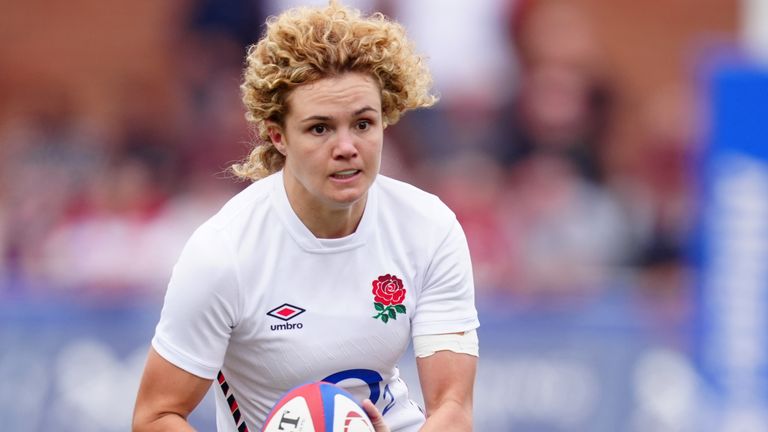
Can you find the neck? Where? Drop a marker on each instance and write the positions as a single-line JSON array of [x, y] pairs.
[[324, 220], [330, 223]]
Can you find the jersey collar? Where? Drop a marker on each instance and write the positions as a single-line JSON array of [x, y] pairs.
[[304, 237]]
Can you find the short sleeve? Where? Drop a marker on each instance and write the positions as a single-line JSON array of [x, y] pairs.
[[200, 307], [447, 300]]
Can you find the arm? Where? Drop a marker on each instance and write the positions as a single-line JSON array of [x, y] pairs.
[[167, 395], [446, 351], [447, 380], [199, 313]]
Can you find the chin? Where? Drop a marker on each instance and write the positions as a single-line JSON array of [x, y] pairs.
[[346, 199]]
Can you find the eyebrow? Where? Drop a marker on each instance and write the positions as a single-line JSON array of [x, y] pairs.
[[328, 118]]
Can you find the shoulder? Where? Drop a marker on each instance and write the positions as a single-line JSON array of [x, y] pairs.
[[219, 233], [241, 208], [411, 202], [413, 212]]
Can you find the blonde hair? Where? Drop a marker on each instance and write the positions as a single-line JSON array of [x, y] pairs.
[[302, 45]]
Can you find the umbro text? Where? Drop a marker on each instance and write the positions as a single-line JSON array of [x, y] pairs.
[[286, 326]]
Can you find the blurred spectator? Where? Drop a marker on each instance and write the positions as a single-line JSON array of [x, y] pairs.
[[571, 231], [464, 45], [212, 130], [472, 68], [127, 235], [571, 234], [103, 247], [48, 154], [657, 184], [564, 99]]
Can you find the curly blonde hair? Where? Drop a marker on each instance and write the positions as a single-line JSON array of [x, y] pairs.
[[302, 45]]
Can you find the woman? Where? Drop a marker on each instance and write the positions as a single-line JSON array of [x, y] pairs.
[[322, 269]]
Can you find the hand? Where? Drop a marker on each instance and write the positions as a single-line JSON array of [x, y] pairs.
[[375, 416]]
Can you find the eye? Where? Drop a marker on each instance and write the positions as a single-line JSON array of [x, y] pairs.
[[363, 125], [318, 129]]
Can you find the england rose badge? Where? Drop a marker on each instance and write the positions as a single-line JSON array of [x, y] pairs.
[[388, 296]]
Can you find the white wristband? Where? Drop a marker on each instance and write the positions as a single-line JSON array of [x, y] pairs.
[[464, 343]]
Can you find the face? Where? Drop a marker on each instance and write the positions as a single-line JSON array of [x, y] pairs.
[[332, 138]]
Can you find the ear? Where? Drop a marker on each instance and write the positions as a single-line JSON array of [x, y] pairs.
[[276, 136]]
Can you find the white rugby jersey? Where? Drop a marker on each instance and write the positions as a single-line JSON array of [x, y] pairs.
[[259, 304]]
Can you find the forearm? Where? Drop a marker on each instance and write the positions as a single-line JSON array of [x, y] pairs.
[[167, 394], [451, 416]]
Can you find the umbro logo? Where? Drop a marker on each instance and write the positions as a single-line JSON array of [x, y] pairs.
[[286, 312]]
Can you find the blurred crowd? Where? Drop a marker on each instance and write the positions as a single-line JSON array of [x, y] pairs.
[[523, 146]]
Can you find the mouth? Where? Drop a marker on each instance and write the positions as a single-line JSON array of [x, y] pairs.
[[345, 174]]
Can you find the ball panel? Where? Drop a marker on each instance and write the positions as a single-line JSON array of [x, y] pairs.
[[348, 416], [317, 407], [293, 414]]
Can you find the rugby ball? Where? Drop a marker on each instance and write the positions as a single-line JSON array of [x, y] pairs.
[[317, 407]]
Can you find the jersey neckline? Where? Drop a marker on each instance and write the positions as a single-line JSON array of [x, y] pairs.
[[304, 237]]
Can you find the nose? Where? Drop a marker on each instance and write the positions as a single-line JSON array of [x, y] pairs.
[[345, 146]]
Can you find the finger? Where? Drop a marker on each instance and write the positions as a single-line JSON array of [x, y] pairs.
[[376, 419]]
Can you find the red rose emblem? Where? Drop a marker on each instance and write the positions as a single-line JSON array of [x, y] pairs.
[[388, 290], [388, 296]]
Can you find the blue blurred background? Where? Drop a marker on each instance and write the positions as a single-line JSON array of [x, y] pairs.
[[607, 159]]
